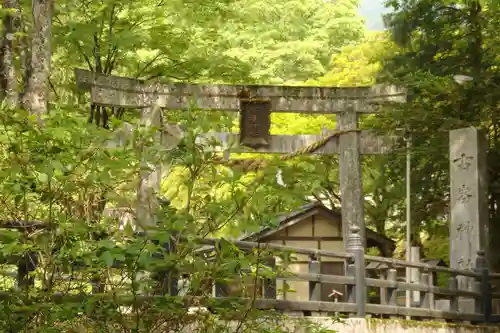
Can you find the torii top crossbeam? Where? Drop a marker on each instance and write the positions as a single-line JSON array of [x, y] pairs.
[[128, 92]]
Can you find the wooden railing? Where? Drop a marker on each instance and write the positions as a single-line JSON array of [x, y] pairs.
[[472, 304]]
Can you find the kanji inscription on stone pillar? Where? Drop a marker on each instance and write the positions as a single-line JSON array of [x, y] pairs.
[[469, 198]]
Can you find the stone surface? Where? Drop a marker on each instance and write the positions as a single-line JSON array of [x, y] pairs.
[[415, 274], [469, 200], [370, 144], [128, 92], [356, 325], [351, 184]]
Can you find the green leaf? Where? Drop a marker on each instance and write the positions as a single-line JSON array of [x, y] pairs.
[[107, 258], [43, 177]]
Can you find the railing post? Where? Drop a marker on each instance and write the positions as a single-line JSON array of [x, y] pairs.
[[221, 289], [97, 286], [351, 289], [355, 246], [171, 275], [477, 305], [425, 301], [280, 283], [173, 280], [26, 266], [392, 276], [484, 287], [453, 286], [430, 294], [314, 286], [415, 275], [383, 291], [270, 283]]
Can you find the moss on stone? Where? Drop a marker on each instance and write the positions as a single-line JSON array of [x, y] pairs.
[[375, 322]]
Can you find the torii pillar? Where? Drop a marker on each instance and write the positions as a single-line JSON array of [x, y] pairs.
[[351, 183]]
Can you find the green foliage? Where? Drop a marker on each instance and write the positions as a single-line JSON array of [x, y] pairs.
[[437, 246], [289, 40], [437, 40], [216, 41], [63, 175], [358, 64]]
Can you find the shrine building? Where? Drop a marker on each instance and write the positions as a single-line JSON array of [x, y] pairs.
[[314, 226]]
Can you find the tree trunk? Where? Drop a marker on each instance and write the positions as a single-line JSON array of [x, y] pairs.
[[24, 59], [11, 24], [37, 94]]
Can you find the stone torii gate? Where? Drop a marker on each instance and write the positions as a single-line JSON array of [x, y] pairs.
[[255, 104]]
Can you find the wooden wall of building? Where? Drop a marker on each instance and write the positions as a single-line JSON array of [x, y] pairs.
[[314, 232]]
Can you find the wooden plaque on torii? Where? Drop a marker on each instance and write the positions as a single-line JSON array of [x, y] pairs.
[[255, 122]]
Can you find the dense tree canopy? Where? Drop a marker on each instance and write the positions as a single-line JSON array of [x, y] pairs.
[[58, 164], [437, 40], [63, 173]]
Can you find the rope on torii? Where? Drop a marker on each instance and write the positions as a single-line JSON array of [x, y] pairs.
[[260, 163], [252, 164]]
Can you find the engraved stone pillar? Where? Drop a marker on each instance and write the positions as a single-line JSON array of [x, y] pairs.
[[351, 184], [469, 199]]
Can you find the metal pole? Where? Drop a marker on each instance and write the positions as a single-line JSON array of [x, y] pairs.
[[408, 219]]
